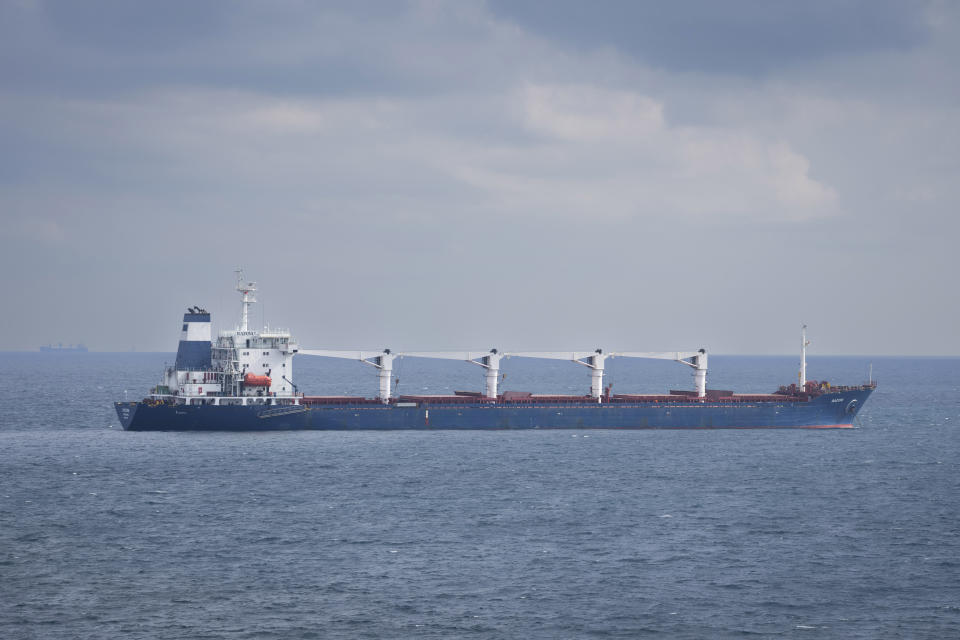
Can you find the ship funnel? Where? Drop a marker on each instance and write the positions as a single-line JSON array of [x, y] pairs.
[[193, 352]]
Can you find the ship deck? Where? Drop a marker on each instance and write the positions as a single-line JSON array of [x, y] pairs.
[[521, 398], [531, 398]]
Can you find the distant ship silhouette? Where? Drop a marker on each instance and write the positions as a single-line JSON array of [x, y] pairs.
[[59, 348]]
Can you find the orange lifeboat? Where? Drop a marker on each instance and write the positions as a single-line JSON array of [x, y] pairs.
[[252, 380]]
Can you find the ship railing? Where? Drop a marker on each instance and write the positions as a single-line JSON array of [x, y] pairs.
[[229, 400]]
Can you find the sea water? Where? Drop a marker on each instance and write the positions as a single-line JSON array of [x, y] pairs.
[[479, 534]]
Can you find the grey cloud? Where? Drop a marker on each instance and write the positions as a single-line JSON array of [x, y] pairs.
[[109, 47], [120, 26], [738, 36], [428, 175]]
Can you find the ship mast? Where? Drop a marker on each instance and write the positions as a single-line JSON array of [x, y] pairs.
[[803, 357], [249, 291]]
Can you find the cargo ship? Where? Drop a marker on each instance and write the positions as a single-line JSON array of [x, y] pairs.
[[59, 348], [243, 381]]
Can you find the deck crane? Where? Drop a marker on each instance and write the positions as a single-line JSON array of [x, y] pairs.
[[591, 359], [382, 360], [595, 361], [491, 362], [488, 360], [695, 359]]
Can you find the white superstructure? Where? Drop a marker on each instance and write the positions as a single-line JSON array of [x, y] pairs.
[[241, 364], [244, 352]]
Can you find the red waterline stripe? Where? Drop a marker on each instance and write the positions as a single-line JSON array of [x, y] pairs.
[[829, 426], [766, 426], [793, 426]]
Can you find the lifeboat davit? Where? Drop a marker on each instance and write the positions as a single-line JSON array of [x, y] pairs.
[[256, 381]]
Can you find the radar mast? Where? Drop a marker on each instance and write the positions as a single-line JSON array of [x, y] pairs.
[[804, 343], [249, 291]]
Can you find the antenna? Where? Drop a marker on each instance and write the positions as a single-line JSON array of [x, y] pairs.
[[249, 291]]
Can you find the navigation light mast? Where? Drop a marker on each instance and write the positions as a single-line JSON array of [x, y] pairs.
[[249, 291], [803, 357]]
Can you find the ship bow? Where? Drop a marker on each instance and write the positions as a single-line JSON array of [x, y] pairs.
[[126, 412]]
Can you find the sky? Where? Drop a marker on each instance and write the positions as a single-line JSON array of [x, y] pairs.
[[431, 175]]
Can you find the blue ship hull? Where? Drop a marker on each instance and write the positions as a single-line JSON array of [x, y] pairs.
[[829, 410]]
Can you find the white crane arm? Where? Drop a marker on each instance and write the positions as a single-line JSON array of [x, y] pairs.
[[678, 356], [552, 355], [346, 355], [468, 356], [658, 355]]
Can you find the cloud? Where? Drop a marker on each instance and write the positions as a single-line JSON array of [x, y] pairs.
[[43, 231], [455, 149], [584, 113], [608, 154], [577, 151], [743, 37]]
